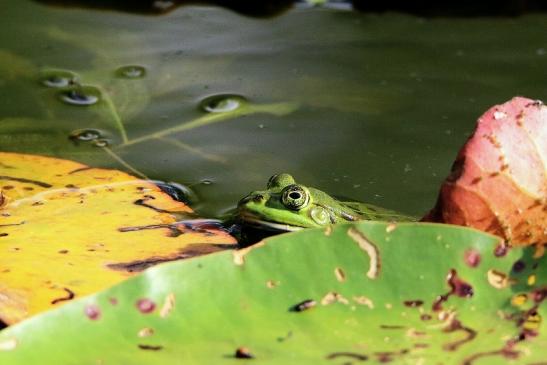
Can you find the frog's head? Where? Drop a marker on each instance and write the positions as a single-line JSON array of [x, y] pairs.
[[288, 206]]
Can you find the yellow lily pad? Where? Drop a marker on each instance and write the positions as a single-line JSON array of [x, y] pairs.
[[68, 230]]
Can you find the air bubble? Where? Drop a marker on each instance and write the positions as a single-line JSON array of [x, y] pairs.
[[85, 135], [58, 78], [131, 72], [81, 96], [101, 143], [222, 103]]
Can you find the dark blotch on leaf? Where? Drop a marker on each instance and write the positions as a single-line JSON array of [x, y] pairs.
[[150, 347], [501, 249], [69, 296], [304, 305], [518, 266], [243, 353], [413, 303], [351, 355], [457, 287]]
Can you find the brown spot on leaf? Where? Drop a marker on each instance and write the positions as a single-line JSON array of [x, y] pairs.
[[150, 347], [145, 305], [243, 353], [350, 355], [454, 326], [303, 306], [498, 279], [333, 297], [145, 332], [92, 312], [457, 287], [340, 275], [34, 182], [413, 303], [364, 301], [168, 305], [472, 258], [370, 248], [69, 296]]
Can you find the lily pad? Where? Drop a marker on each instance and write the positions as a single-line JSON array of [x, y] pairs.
[[68, 230], [368, 292]]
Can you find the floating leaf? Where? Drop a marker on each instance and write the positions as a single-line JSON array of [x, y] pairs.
[[369, 292], [67, 230], [499, 180]]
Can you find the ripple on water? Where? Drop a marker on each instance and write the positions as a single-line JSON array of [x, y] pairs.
[[131, 72], [222, 103]]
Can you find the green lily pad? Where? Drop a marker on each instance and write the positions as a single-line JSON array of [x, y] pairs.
[[369, 292]]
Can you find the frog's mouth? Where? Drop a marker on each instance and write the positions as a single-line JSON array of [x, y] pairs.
[[255, 221]]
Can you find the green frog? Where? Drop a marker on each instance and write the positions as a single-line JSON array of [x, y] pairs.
[[288, 206]]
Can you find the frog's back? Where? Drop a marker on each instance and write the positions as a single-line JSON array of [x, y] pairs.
[[372, 212]]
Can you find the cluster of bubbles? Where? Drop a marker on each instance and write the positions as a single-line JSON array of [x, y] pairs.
[[73, 92]]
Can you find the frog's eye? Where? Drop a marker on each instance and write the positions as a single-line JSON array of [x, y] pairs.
[[295, 197], [280, 181]]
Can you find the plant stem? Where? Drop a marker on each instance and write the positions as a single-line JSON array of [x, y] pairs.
[[125, 164], [276, 109]]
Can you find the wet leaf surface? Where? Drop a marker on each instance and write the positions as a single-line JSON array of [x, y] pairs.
[[435, 299], [499, 179], [68, 230]]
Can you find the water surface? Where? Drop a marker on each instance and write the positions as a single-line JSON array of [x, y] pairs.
[[380, 103]]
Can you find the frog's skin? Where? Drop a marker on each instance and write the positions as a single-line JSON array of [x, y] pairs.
[[288, 206]]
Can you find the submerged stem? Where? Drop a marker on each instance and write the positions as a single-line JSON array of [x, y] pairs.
[[194, 150], [117, 119], [125, 164], [276, 109]]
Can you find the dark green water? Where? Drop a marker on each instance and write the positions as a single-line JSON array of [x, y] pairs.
[[375, 107]]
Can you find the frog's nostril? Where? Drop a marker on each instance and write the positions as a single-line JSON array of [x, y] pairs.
[[258, 198]]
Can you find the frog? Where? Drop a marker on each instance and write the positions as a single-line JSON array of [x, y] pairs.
[[288, 206]]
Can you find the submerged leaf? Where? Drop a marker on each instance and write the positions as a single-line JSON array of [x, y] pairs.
[[308, 298], [499, 180], [68, 230]]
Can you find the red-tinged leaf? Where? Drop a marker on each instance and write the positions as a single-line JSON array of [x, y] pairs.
[[498, 182]]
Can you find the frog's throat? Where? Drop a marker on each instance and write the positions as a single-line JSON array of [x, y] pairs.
[[253, 220]]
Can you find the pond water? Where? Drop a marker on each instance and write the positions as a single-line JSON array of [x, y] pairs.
[[370, 107]]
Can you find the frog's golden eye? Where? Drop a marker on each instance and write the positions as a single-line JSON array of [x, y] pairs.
[[280, 181], [295, 197]]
